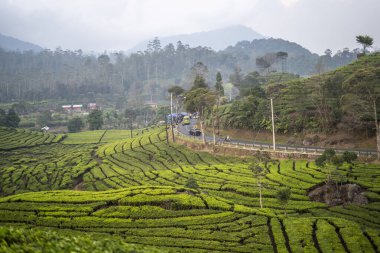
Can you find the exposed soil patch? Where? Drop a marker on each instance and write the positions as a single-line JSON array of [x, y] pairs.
[[96, 157], [333, 194], [79, 186]]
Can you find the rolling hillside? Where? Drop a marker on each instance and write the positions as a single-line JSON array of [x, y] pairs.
[[148, 192]]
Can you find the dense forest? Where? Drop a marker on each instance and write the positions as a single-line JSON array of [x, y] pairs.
[[146, 76], [346, 99]]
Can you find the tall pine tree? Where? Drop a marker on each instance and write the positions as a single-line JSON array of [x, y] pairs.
[[199, 82], [218, 85]]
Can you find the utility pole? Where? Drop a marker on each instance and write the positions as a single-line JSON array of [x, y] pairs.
[[146, 118], [213, 126], [217, 119], [131, 128], [166, 128], [171, 114], [171, 105], [274, 137]]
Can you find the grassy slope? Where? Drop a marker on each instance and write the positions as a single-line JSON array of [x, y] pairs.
[[146, 202]]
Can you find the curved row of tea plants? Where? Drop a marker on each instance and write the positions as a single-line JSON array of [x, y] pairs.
[[146, 201], [184, 220], [19, 240], [11, 138], [48, 167]]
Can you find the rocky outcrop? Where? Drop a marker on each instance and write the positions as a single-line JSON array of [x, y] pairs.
[[311, 140], [333, 194]]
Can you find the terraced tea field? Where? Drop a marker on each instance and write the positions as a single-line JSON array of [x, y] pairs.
[[135, 189], [17, 138]]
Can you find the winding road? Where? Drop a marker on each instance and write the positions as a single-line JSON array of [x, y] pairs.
[[262, 145]]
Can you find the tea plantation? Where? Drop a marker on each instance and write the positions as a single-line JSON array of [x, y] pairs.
[[18, 138], [136, 190]]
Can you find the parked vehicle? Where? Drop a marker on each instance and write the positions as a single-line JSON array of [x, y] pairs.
[[195, 132]]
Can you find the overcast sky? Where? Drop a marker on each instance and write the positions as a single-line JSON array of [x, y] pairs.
[[100, 25]]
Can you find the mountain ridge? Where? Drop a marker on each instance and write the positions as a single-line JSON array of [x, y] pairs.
[[9, 43], [218, 39]]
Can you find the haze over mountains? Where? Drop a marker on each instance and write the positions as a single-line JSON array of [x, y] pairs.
[[12, 44], [216, 39], [147, 74]]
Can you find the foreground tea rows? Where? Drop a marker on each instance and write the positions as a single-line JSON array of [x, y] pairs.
[[18, 239], [138, 188], [184, 220]]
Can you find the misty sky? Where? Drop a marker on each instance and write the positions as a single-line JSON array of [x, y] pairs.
[[100, 25]]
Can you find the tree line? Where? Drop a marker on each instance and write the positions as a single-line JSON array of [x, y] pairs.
[[346, 99], [144, 76]]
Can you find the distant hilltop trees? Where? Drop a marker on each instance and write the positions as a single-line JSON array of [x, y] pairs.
[[146, 75]]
